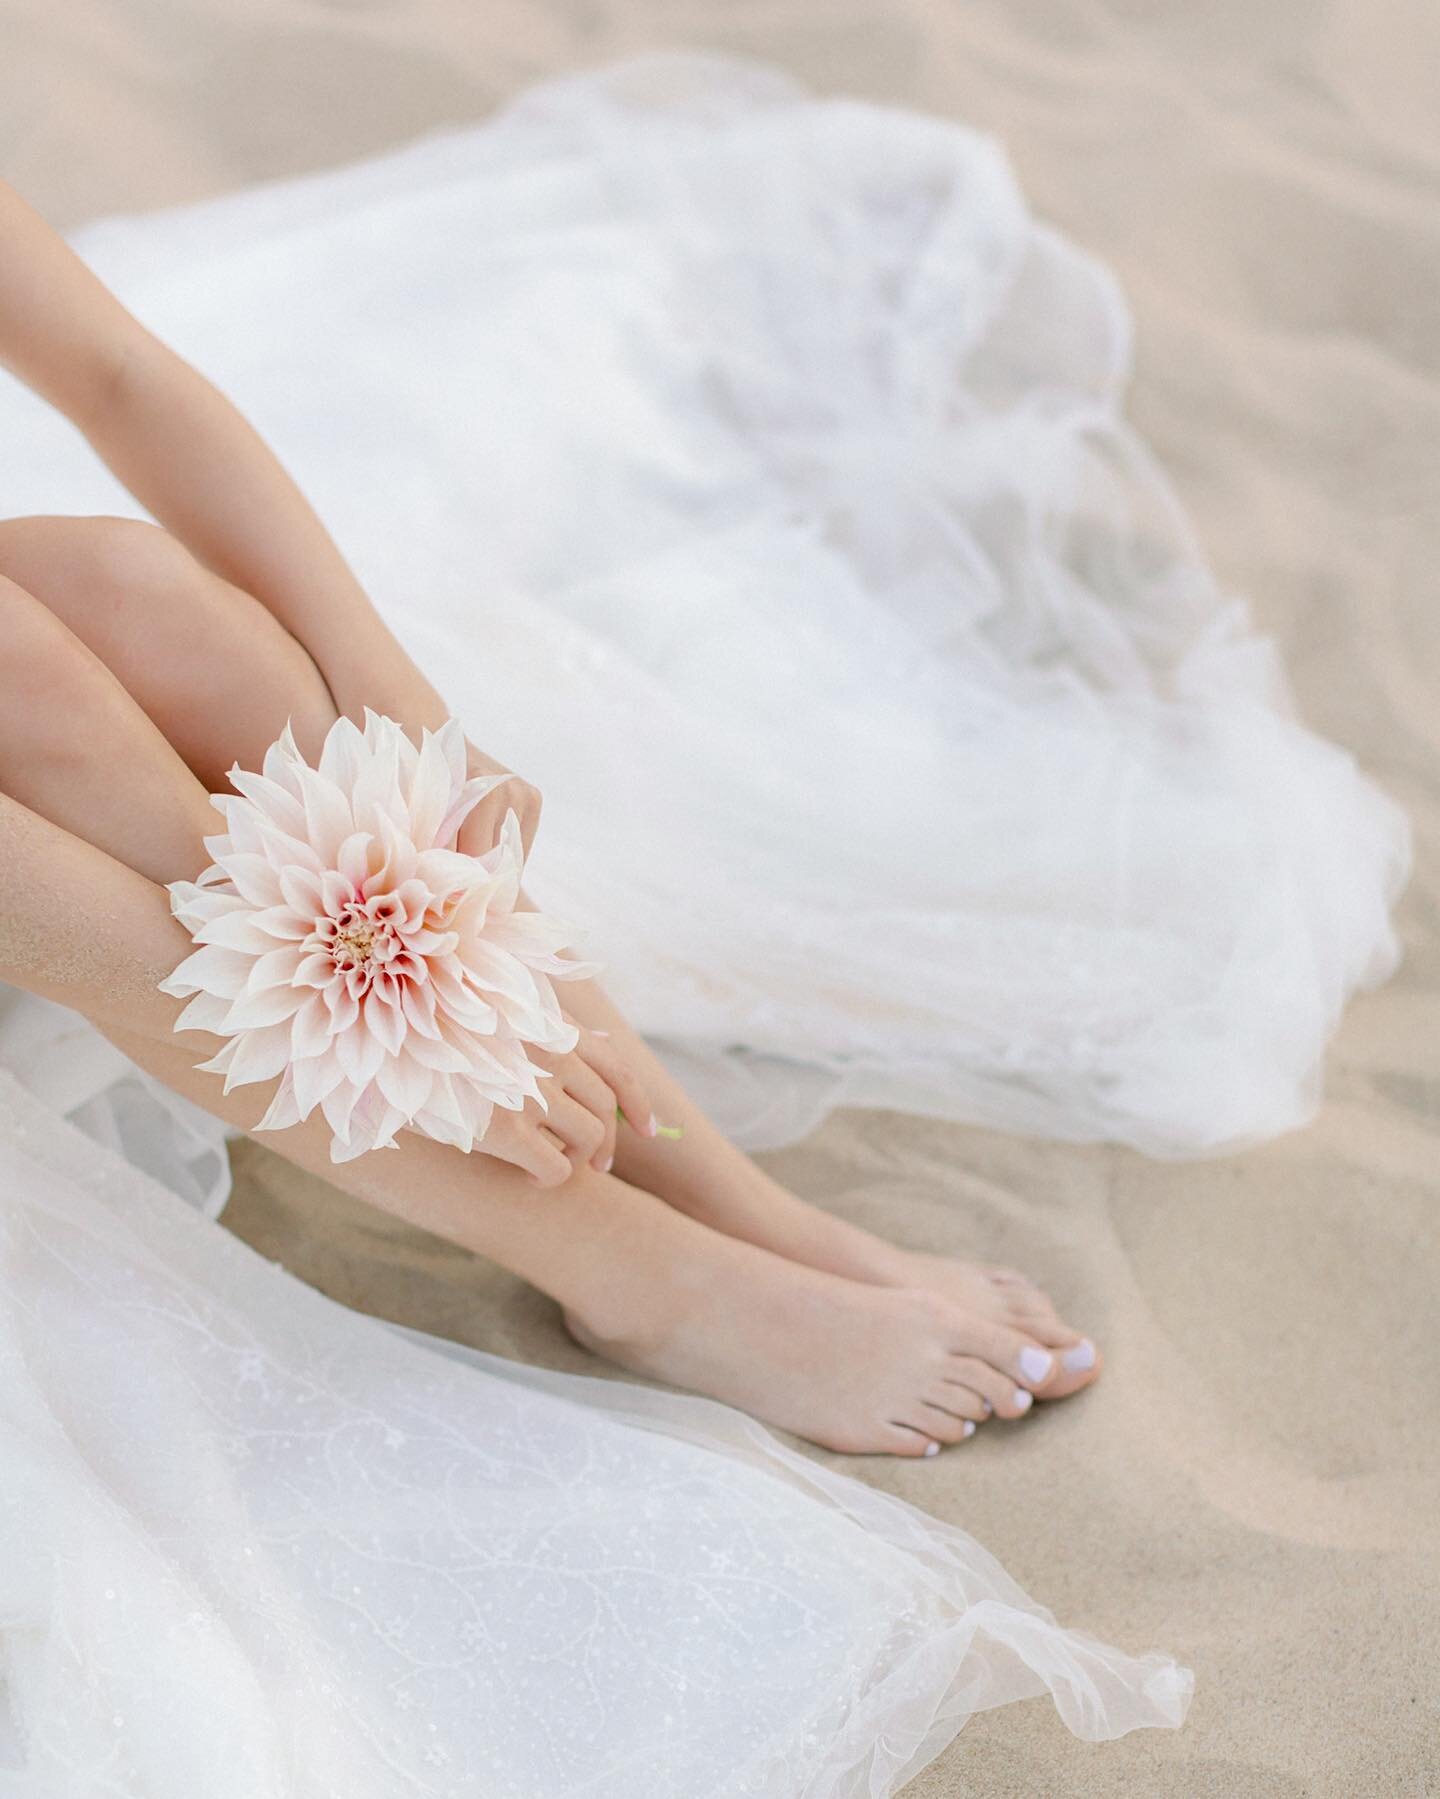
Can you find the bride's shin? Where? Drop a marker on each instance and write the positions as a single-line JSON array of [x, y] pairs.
[[86, 930], [75, 749], [703, 1174]]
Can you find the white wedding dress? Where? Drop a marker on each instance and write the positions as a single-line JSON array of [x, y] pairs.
[[748, 471]]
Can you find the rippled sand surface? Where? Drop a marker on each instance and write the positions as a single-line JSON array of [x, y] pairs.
[[1256, 1483]]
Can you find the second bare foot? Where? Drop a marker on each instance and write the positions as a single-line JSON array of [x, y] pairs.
[[852, 1366]]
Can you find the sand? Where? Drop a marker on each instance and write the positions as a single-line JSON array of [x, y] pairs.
[[1255, 1485]]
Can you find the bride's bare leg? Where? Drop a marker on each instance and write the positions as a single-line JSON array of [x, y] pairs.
[[708, 1178], [854, 1366], [219, 677]]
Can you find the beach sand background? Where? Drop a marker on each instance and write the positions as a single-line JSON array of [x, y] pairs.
[[1255, 1485]]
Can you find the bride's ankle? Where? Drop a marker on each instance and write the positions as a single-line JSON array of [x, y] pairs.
[[638, 1310]]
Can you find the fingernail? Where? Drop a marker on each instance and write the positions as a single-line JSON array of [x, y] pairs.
[[1079, 1356], [969, 1428], [599, 1033], [609, 1164], [1023, 1400], [1035, 1364], [932, 1449], [653, 1126]]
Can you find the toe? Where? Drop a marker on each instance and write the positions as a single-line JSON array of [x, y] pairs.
[[1042, 1322], [954, 1395], [999, 1391], [1077, 1364], [1010, 1352], [945, 1421], [896, 1437]]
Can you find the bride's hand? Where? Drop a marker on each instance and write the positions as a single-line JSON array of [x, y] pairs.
[[481, 830], [582, 1094], [389, 683]]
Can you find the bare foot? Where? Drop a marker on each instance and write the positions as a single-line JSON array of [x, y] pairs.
[[854, 1366], [1004, 1294], [733, 1195]]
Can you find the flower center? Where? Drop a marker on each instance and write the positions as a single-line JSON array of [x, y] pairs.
[[356, 941]]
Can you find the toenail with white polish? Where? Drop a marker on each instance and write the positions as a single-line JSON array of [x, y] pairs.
[[968, 1428], [1079, 1356], [1035, 1364], [1023, 1400], [932, 1449]]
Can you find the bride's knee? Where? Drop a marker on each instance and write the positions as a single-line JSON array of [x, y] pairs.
[[89, 564], [56, 696], [40, 659]]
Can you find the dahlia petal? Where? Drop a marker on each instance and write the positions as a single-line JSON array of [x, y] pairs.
[[283, 921], [194, 904], [282, 762], [275, 968], [385, 1020], [282, 1112], [284, 851], [451, 738], [463, 804], [272, 799], [339, 1105], [236, 930], [376, 793], [316, 1079], [434, 1052], [220, 1062], [303, 892], [259, 1056], [498, 971], [395, 863], [392, 1119], [417, 1001], [446, 1130], [251, 1011], [353, 858], [312, 1030], [316, 969], [343, 754], [254, 878], [430, 943], [212, 968], [335, 893], [445, 1103], [343, 1007], [405, 1082], [206, 1012], [414, 899], [329, 819], [431, 791]]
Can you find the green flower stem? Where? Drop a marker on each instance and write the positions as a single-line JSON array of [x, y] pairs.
[[673, 1131]]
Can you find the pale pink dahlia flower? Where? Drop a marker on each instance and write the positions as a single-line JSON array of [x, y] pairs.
[[347, 946]]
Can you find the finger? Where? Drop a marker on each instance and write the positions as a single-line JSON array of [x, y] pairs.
[[546, 1159], [629, 1092], [575, 1125], [530, 820], [586, 1088]]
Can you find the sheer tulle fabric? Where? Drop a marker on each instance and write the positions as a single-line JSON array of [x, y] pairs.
[[749, 470], [253, 1544]]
